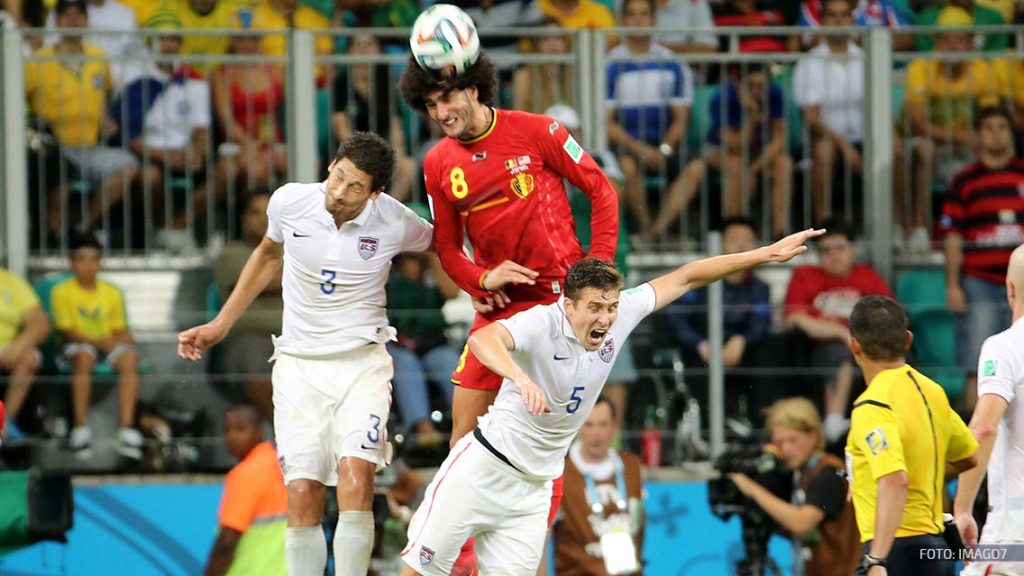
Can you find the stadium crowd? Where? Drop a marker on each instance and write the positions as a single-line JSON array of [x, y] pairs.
[[150, 138]]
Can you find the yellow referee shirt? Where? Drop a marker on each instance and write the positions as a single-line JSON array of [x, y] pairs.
[[16, 298], [97, 313], [903, 422]]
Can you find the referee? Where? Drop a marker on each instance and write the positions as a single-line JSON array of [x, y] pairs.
[[904, 439]]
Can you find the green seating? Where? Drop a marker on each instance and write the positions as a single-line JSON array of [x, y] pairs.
[[923, 293]]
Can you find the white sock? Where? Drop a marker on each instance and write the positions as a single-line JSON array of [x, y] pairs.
[[353, 543], [305, 550]]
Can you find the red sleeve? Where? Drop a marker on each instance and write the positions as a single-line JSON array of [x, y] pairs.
[[565, 156], [880, 287], [448, 238], [799, 294]]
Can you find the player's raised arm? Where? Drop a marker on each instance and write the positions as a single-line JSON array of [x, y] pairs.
[[690, 276], [261, 268], [571, 161], [491, 345]]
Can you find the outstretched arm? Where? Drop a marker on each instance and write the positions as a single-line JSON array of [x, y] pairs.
[[261, 268], [690, 276]]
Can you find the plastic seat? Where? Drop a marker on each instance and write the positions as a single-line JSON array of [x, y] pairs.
[[923, 293]]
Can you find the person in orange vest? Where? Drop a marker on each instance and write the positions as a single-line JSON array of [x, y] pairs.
[[254, 508]]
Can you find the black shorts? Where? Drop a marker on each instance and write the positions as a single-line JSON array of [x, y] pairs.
[[910, 556]]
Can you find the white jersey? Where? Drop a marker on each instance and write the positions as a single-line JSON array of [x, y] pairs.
[[334, 278], [1001, 372], [571, 377]]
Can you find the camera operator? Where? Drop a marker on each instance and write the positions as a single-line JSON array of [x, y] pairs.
[[599, 529], [819, 516]]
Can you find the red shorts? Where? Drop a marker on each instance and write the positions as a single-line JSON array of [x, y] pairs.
[[473, 375]]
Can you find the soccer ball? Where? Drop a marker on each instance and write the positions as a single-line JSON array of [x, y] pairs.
[[444, 40]]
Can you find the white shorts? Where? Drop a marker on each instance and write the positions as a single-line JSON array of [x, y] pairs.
[[475, 494], [66, 359], [1001, 527], [326, 409]]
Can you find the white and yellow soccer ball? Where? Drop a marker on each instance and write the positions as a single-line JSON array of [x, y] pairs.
[[444, 40]]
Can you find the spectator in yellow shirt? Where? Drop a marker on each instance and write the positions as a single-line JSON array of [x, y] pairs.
[[67, 85], [576, 14], [940, 102], [88, 313], [23, 326]]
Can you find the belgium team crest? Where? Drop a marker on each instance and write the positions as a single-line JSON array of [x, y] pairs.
[[522, 185], [367, 247]]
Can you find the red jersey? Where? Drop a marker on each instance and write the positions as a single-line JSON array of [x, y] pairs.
[[822, 295], [506, 189], [986, 207]]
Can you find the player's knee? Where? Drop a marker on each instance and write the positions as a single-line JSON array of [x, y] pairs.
[[355, 483], [305, 499]]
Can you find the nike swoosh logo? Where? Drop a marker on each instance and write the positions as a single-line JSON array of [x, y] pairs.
[[297, 235], [561, 358], [365, 447]]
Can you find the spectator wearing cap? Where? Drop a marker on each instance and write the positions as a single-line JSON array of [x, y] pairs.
[[67, 85], [119, 38], [164, 119], [247, 100], [977, 15], [940, 102]]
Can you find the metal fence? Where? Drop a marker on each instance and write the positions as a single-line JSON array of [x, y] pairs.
[[832, 139]]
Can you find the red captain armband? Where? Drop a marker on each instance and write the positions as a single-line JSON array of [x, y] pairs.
[[482, 278]]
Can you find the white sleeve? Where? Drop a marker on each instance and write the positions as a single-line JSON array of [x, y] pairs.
[[805, 87], [999, 369], [702, 19], [274, 229], [417, 233], [528, 327], [199, 104], [635, 304]]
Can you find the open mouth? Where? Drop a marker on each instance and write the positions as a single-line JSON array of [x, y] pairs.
[[597, 335]]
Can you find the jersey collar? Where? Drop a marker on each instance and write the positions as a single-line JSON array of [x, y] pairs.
[[490, 129]]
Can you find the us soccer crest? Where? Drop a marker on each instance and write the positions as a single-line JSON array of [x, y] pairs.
[[607, 350], [522, 185], [426, 555], [367, 247]]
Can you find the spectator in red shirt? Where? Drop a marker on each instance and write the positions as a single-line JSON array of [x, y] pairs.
[[754, 13], [819, 301]]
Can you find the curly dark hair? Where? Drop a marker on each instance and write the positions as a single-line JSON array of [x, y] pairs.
[[416, 83], [591, 273], [879, 324], [371, 154]]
